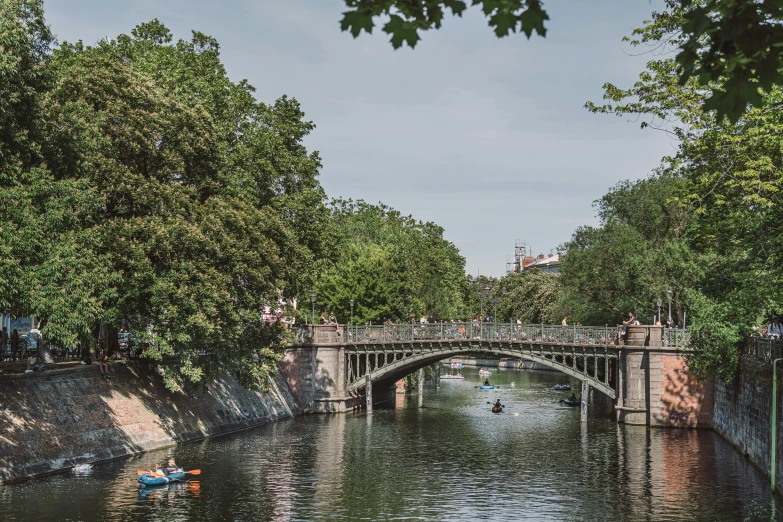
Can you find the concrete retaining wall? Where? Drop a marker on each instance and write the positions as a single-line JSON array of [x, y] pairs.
[[55, 420], [743, 411]]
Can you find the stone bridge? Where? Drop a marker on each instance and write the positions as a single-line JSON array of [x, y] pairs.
[[645, 375]]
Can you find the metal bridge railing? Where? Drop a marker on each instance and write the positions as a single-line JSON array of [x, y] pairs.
[[675, 337], [496, 331], [762, 348]]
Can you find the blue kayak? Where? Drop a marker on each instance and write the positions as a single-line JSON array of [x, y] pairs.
[[485, 387], [149, 480], [562, 387]]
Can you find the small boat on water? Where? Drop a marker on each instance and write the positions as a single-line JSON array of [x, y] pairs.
[[497, 409], [450, 377], [456, 366], [487, 387], [484, 371], [571, 402], [155, 480], [562, 387]]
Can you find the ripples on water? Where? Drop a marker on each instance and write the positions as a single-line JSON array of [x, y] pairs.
[[452, 460]]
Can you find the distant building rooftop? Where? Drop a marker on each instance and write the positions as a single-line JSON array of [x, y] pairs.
[[544, 263]]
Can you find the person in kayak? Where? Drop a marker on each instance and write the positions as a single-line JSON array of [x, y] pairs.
[[497, 404], [573, 398], [166, 470], [486, 382], [171, 468]]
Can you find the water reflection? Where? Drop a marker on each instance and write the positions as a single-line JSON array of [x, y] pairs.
[[453, 459]]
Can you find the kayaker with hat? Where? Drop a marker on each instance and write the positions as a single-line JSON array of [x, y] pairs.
[[775, 329], [497, 404]]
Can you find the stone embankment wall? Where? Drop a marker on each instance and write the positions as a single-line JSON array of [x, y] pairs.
[[56, 420], [743, 415]]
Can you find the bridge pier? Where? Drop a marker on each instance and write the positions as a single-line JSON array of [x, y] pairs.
[[655, 387], [315, 370]]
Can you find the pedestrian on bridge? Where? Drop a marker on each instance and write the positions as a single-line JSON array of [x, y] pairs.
[[775, 329], [624, 332]]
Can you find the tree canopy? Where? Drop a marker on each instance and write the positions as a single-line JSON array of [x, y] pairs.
[[141, 186], [732, 48], [532, 297], [727, 181], [638, 253], [393, 266]]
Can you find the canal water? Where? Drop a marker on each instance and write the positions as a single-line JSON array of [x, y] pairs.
[[451, 460]]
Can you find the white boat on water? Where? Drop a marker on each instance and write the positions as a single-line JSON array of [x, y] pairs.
[[484, 371], [448, 377]]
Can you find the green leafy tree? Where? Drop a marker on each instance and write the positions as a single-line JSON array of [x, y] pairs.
[[169, 200], [25, 42], [531, 296], [477, 293], [639, 251], [730, 189], [393, 266]]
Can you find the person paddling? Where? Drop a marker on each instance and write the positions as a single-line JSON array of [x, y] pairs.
[[166, 470], [171, 468], [497, 404], [486, 382]]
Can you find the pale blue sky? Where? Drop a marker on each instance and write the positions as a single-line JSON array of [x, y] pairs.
[[486, 137]]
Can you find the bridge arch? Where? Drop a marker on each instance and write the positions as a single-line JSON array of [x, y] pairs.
[[390, 365]]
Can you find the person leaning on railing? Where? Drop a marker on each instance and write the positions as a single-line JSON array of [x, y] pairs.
[[775, 329]]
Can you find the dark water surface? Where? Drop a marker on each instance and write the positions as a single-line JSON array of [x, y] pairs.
[[451, 460]]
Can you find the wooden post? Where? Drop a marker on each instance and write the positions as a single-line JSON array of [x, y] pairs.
[[368, 392], [421, 387], [585, 396]]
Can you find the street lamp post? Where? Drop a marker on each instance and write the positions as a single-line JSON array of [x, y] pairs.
[[660, 303], [669, 295], [352, 312], [312, 305]]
